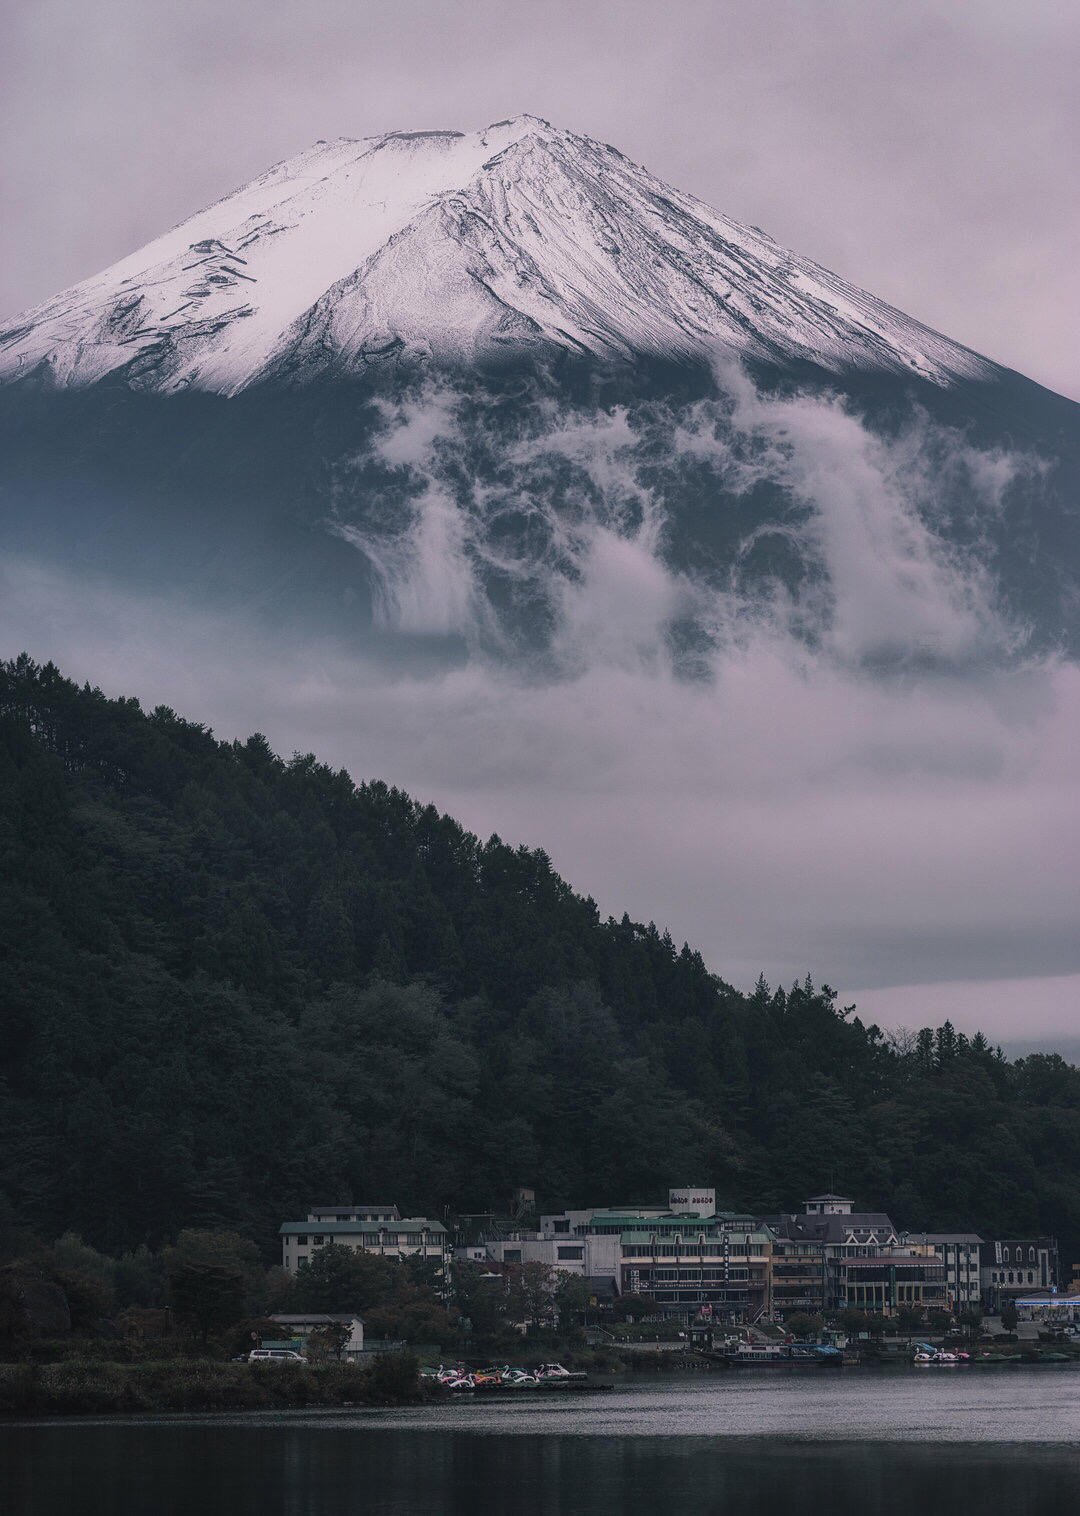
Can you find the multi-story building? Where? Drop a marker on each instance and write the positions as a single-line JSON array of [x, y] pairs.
[[887, 1282], [389, 1236], [596, 1257], [960, 1253], [863, 1261], [688, 1257], [800, 1278], [717, 1265], [1016, 1266]]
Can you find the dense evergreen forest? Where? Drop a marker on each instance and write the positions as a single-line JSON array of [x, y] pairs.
[[232, 986]]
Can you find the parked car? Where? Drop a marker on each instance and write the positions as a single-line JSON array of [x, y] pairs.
[[275, 1355]]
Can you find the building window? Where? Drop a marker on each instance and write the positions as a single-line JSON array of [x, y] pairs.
[[318, 1241], [1031, 1276], [301, 1242], [512, 1255], [569, 1253], [413, 1239], [1031, 1255]]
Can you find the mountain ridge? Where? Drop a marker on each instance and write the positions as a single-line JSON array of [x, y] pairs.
[[236, 981]]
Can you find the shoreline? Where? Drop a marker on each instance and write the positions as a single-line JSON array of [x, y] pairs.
[[102, 1388], [81, 1387]]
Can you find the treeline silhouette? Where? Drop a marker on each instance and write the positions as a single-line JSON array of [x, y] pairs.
[[233, 986]]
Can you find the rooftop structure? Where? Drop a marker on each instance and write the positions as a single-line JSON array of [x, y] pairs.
[[354, 1213], [828, 1205]]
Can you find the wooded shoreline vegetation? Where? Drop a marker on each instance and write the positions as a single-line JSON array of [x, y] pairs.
[[234, 985]]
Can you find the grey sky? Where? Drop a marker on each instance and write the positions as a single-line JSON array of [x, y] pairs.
[[925, 150]]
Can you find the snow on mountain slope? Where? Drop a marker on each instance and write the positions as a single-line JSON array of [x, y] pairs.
[[458, 248]]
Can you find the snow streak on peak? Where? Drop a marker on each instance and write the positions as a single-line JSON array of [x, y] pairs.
[[458, 248]]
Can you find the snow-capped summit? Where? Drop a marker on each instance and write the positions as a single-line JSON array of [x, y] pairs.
[[458, 248]]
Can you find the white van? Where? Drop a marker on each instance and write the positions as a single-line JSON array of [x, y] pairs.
[[275, 1355]]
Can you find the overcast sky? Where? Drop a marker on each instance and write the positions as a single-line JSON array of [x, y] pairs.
[[925, 149]]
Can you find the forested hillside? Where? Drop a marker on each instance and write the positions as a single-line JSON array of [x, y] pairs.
[[232, 986]]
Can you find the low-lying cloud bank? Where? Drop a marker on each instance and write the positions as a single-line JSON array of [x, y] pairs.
[[807, 738]]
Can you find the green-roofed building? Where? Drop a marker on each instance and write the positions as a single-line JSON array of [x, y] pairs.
[[688, 1256], [370, 1229], [718, 1265]]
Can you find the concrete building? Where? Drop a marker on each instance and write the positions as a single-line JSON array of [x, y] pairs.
[[960, 1253], [686, 1256], [715, 1265], [890, 1281], [1014, 1267], [298, 1327], [393, 1236], [592, 1256], [867, 1263], [800, 1276]]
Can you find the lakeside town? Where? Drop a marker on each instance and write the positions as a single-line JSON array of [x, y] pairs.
[[722, 1276]]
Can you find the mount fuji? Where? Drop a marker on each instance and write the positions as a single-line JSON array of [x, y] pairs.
[[413, 389], [464, 249]]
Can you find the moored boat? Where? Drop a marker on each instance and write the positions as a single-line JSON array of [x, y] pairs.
[[758, 1354]]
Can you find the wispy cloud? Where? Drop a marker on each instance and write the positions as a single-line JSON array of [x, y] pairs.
[[727, 515]]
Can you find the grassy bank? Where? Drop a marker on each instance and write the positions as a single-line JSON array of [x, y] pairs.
[[90, 1387]]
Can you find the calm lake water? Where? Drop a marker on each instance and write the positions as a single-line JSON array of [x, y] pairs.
[[943, 1442]]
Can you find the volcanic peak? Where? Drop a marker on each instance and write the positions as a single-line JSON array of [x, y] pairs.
[[462, 249]]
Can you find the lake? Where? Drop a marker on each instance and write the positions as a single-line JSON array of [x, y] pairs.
[[782, 1443]]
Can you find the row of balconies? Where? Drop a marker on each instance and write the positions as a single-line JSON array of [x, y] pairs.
[[689, 1250], [697, 1276]]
